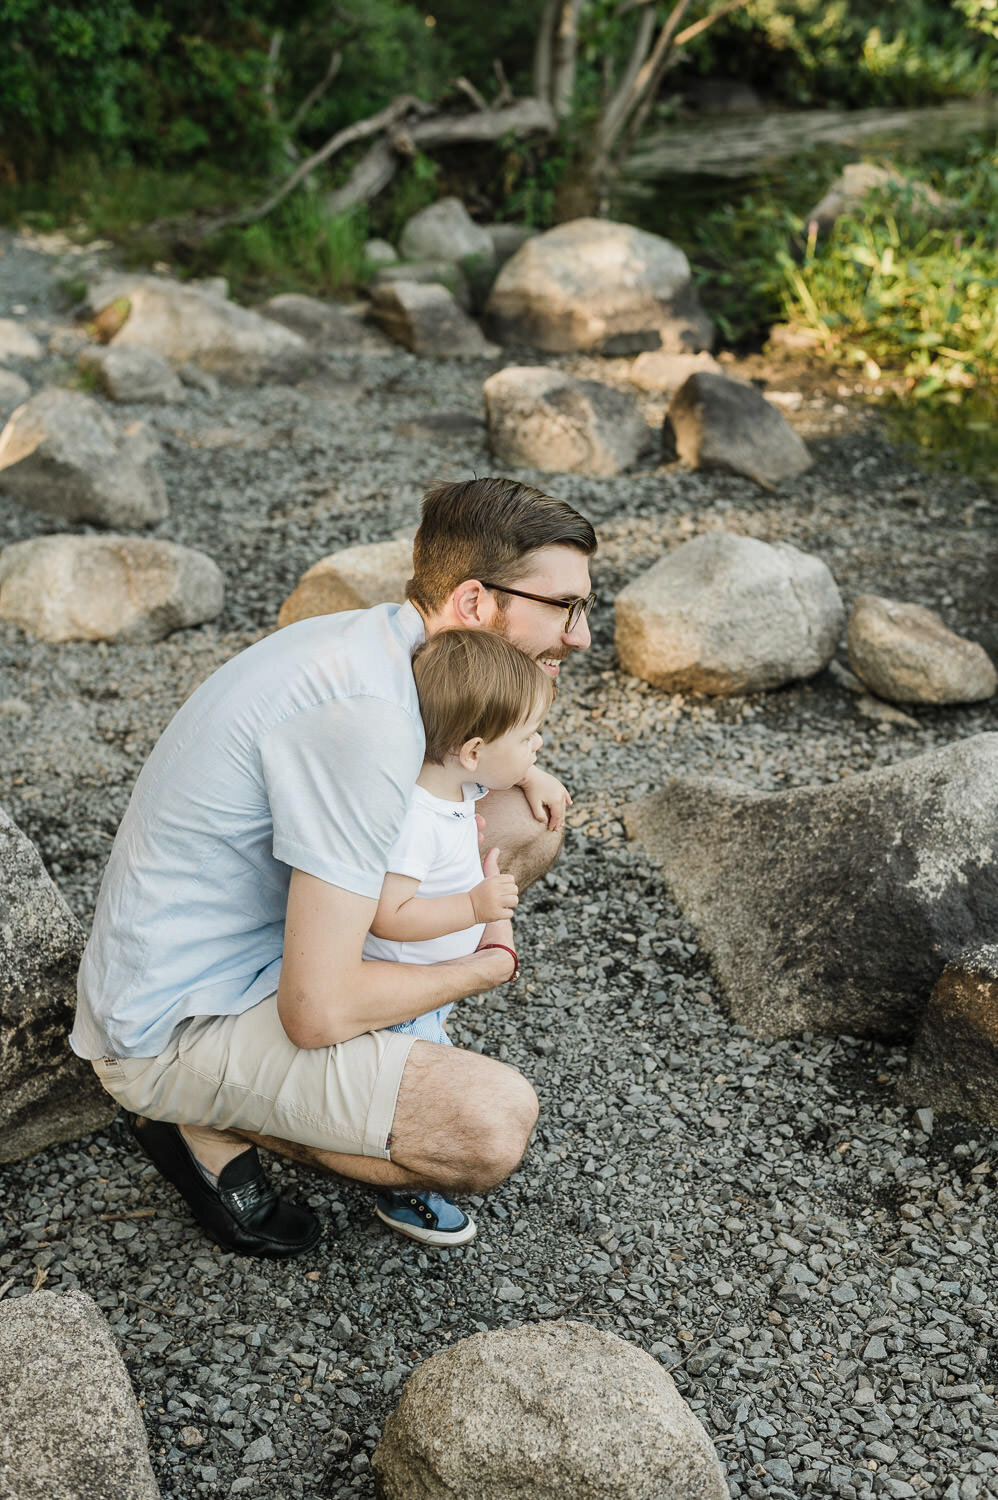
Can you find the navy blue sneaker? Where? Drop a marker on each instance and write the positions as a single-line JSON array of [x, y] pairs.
[[428, 1217]]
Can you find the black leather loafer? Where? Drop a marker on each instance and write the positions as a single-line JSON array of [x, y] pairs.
[[244, 1213]]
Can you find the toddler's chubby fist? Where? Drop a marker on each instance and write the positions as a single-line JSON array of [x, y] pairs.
[[496, 897]]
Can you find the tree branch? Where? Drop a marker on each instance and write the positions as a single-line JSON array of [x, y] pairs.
[[314, 95], [565, 58], [543, 50], [615, 113], [467, 87], [370, 176], [403, 105]]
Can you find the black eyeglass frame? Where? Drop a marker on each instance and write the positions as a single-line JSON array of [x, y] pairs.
[[576, 608]]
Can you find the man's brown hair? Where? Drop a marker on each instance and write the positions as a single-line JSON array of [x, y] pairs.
[[486, 529], [475, 683]]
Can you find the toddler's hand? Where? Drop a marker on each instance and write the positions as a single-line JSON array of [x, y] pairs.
[[496, 898]]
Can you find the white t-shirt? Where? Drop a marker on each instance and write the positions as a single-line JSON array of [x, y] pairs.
[[438, 846], [301, 752]]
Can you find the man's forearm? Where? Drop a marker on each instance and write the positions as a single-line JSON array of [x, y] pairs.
[[383, 994]]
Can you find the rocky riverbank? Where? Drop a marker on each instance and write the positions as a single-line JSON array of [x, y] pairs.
[[813, 1260]]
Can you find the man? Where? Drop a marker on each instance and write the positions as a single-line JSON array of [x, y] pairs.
[[223, 997]]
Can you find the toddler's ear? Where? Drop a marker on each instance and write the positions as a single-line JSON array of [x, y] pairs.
[[469, 752]]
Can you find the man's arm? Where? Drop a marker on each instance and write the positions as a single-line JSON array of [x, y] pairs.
[[404, 917], [328, 993]]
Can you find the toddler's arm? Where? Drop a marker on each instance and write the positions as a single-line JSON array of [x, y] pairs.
[[404, 917]]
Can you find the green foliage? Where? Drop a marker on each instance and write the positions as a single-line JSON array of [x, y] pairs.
[[855, 53], [905, 288], [157, 81], [531, 178], [299, 247], [415, 188]]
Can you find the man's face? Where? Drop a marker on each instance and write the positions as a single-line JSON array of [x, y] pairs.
[[539, 629]]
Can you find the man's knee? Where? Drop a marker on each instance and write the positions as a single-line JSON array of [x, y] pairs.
[[463, 1121], [503, 1133]]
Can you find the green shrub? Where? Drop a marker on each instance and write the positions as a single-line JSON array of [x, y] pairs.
[[906, 288]]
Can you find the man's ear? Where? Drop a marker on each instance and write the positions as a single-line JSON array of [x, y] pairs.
[[468, 753], [471, 604]]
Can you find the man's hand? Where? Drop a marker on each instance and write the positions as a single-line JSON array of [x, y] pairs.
[[495, 898], [546, 798]]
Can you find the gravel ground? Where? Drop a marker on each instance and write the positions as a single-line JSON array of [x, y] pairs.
[[815, 1269]]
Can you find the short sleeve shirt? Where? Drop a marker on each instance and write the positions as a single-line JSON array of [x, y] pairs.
[[438, 846], [300, 753]]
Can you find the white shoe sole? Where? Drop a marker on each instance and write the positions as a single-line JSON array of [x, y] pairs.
[[439, 1237]]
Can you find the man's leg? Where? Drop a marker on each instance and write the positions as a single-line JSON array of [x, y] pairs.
[[527, 848], [383, 1109], [462, 1123]]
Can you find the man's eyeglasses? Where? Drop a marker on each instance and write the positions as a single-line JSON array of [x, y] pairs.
[[576, 607]]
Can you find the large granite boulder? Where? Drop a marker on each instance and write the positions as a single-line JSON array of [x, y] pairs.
[[545, 419], [195, 324], [834, 908], [728, 614], [46, 1093], [107, 588], [71, 1427], [62, 455], [424, 317], [601, 287], [906, 654], [356, 578], [550, 1410], [729, 427], [953, 1064]]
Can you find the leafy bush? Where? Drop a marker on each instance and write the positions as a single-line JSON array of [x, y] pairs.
[[907, 288], [855, 53]]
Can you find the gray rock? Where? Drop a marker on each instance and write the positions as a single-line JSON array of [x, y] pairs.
[[859, 179], [133, 374], [17, 342], [107, 588], [658, 371], [601, 287], [185, 323], [545, 419], [728, 614], [61, 454], [726, 425], [46, 1093], [356, 578], [380, 253], [906, 654], [14, 391], [507, 239], [548, 1410], [953, 1064], [834, 908], [445, 273], [445, 231], [72, 1428], [333, 326], [425, 318]]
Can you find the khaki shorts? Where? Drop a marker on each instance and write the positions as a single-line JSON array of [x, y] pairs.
[[242, 1073]]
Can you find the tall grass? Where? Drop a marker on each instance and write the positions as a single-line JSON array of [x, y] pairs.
[[908, 288]]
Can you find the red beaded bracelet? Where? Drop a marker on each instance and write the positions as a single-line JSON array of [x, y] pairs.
[[512, 954]]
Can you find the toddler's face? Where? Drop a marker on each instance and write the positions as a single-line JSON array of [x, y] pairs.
[[503, 763]]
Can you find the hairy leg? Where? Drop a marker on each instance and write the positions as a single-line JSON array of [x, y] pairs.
[[527, 848], [462, 1123]]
